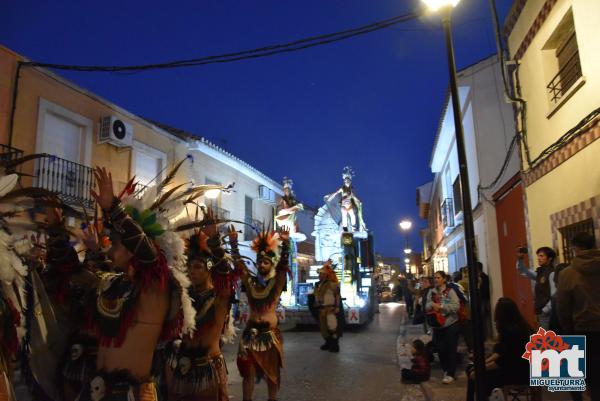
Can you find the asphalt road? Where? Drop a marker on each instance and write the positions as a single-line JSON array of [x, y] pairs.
[[366, 369]]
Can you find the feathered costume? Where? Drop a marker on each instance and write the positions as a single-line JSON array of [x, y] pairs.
[[261, 346], [16, 205], [328, 300], [197, 374]]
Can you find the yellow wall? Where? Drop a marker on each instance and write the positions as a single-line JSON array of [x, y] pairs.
[[36, 84], [577, 179], [543, 131]]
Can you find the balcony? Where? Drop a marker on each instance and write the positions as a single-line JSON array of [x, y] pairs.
[[71, 181], [9, 154], [447, 211], [568, 74]]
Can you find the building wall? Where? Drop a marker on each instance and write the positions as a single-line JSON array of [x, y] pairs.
[[572, 174], [206, 167], [37, 85], [489, 129], [543, 130]]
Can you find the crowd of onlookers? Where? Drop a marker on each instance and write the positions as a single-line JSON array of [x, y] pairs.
[[566, 301]]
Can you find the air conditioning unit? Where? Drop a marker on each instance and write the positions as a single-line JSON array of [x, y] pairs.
[[116, 132], [266, 194]]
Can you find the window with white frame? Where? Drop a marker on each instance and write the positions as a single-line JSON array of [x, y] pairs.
[[148, 164], [562, 65], [66, 137]]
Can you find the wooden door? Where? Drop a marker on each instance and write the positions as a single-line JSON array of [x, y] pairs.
[[510, 217]]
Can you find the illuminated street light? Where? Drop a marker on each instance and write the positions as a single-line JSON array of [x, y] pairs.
[[435, 5], [407, 251], [446, 6], [407, 260], [405, 225]]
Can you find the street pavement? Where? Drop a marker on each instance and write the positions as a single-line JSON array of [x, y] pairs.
[[366, 369]]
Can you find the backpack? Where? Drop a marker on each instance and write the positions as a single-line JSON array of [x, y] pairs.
[[464, 301]]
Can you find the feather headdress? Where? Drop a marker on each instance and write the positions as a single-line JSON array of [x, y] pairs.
[[267, 245], [328, 269]]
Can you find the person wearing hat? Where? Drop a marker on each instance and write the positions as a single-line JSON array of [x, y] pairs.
[[260, 354], [197, 369], [143, 301], [327, 297]]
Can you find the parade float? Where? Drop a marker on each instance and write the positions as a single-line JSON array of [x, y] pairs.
[[341, 235]]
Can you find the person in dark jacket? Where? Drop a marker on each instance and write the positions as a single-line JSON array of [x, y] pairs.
[[505, 365], [544, 282], [578, 303], [421, 368]]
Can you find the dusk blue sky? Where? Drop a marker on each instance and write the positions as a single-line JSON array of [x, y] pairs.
[[372, 102]]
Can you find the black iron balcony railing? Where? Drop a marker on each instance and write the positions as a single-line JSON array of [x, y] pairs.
[[250, 232], [72, 181], [447, 213], [8, 153], [569, 72]]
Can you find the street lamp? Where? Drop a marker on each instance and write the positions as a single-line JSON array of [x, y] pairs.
[[405, 225], [407, 260], [446, 6]]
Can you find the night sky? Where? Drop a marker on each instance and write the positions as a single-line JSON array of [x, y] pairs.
[[372, 102]]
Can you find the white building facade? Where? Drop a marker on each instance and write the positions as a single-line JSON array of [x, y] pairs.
[[488, 130]]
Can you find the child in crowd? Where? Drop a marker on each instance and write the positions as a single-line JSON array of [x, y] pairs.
[[421, 369]]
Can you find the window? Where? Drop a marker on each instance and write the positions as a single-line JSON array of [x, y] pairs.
[[67, 138], [457, 195], [567, 233], [249, 232], [148, 164], [561, 61]]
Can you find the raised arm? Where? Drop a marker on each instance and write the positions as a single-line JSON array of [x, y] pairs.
[[132, 235], [522, 269], [283, 267]]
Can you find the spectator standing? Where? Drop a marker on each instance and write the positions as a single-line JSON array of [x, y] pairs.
[[544, 282], [426, 286], [578, 303], [505, 365], [443, 304]]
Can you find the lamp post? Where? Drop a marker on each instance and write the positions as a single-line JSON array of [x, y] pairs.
[[446, 6], [405, 225]]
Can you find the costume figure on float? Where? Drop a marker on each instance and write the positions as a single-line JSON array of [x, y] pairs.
[[287, 208], [260, 353], [328, 301], [351, 206], [197, 370]]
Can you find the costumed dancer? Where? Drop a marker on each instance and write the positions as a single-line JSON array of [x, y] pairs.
[[328, 301], [19, 260], [66, 282], [197, 370], [144, 300], [260, 353], [12, 291]]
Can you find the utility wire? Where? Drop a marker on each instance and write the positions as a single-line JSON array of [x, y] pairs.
[[265, 51]]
